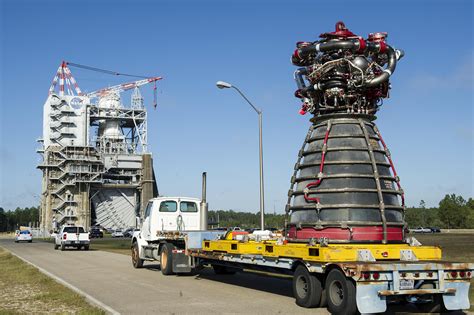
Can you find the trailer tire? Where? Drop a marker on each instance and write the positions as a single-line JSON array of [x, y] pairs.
[[306, 288], [63, 247], [136, 261], [341, 294], [166, 259], [56, 246]]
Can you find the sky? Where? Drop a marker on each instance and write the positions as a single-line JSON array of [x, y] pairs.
[[427, 122]]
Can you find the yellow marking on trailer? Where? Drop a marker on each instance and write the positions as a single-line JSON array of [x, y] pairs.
[[317, 253]]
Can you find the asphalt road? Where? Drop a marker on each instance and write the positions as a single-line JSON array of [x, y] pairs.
[[111, 279]]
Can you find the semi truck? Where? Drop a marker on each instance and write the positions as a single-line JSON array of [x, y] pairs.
[[347, 278]]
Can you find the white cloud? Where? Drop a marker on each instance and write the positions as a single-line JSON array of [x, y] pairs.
[[459, 77]]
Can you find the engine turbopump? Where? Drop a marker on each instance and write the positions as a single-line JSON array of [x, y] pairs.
[[344, 72]]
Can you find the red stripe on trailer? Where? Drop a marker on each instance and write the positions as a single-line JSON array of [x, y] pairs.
[[356, 233]]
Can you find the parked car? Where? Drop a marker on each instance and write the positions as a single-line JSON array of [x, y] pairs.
[[129, 232], [96, 233], [434, 229], [23, 236], [73, 236], [420, 230], [117, 233]]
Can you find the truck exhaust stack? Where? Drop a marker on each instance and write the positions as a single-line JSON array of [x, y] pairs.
[[204, 204]]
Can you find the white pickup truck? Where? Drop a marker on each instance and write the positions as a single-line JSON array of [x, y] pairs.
[[72, 236]]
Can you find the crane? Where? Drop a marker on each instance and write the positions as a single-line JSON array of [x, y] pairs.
[[126, 86], [65, 79]]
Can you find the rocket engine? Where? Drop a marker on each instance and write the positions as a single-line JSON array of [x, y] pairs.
[[345, 187]]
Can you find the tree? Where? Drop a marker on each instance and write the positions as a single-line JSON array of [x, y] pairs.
[[453, 212], [422, 208], [3, 220]]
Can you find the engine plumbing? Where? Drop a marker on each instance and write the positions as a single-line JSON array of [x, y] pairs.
[[343, 72]]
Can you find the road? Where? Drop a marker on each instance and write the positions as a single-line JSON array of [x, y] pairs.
[[111, 279]]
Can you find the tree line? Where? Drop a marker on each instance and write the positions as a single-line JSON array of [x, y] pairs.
[[12, 220], [453, 212]]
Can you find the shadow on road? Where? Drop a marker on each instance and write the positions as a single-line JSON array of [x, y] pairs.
[[250, 280]]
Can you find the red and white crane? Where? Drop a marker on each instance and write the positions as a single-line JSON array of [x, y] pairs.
[[68, 83], [126, 86]]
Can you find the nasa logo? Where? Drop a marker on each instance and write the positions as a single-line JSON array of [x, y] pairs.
[[75, 102]]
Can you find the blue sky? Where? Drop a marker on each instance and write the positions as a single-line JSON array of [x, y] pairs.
[[427, 123]]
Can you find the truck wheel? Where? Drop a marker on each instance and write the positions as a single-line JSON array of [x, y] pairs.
[[136, 261], [63, 247], [56, 246], [341, 294], [306, 288], [166, 259]]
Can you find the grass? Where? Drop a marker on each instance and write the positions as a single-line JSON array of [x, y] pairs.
[[25, 290]]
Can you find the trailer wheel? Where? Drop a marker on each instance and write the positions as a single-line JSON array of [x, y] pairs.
[[341, 293], [166, 256], [63, 247], [306, 288], [136, 261], [56, 246]]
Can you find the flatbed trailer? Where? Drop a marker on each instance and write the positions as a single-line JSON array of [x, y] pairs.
[[344, 277]]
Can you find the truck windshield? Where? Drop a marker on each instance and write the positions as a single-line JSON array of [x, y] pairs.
[[168, 206], [186, 206]]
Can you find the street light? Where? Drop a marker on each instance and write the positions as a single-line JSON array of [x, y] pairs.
[[225, 85]]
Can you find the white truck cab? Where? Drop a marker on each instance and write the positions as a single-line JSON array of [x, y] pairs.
[[164, 228], [167, 214]]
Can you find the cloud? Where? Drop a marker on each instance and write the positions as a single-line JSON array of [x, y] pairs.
[[460, 77]]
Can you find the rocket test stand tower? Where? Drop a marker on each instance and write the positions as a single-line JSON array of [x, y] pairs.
[[96, 169]]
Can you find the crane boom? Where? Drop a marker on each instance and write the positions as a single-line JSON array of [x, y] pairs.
[[122, 87]]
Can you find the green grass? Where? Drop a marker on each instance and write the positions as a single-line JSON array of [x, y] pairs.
[[25, 290]]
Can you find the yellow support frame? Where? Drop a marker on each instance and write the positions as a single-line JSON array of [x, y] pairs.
[[318, 253]]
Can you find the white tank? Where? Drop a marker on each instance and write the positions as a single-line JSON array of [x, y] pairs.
[[111, 128]]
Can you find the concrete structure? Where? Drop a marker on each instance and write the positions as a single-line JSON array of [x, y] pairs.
[[96, 169]]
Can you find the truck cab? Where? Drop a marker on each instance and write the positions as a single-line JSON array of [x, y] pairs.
[[170, 214], [166, 222]]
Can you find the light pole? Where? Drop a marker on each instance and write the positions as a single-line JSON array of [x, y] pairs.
[[225, 85]]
